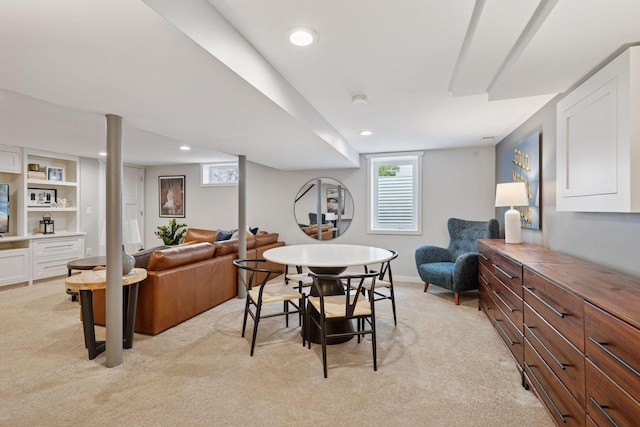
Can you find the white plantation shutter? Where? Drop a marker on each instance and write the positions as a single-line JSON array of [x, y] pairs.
[[395, 195]]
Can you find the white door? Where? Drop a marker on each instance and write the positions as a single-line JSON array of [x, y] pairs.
[[133, 200]]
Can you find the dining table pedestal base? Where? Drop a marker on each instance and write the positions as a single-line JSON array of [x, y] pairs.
[[329, 287]]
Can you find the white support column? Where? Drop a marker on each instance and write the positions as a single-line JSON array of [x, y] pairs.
[[242, 221], [319, 208], [114, 241]]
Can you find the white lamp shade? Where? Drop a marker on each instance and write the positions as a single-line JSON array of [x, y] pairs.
[[330, 216], [511, 194], [130, 232]]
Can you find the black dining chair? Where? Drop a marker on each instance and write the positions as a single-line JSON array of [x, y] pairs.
[[352, 305], [384, 284], [302, 279], [259, 293]]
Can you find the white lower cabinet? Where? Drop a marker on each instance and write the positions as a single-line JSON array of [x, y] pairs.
[[14, 266], [49, 256]]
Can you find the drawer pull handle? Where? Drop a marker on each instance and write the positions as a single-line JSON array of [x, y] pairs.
[[555, 408], [484, 280], [483, 257], [617, 358], [544, 302], [58, 247], [603, 409], [503, 272], [504, 332], [553, 356], [504, 302]]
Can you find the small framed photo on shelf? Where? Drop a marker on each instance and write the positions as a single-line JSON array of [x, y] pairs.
[[41, 197], [55, 174]]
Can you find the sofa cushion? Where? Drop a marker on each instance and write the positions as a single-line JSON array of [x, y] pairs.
[[266, 239], [142, 257], [180, 255], [200, 235]]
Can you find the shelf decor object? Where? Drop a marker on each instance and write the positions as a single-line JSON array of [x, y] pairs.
[[512, 194], [130, 236], [47, 224]]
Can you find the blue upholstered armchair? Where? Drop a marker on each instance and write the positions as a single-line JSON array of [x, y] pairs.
[[456, 267]]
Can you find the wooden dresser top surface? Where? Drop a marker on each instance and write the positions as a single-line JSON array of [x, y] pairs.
[[613, 291]]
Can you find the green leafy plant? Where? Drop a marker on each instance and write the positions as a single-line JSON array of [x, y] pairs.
[[171, 234]]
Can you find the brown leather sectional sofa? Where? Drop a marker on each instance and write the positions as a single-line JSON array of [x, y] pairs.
[[184, 281]]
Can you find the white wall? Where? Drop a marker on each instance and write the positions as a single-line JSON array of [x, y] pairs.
[[611, 239], [456, 183]]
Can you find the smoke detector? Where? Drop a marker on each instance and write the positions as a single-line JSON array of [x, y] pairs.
[[359, 99]]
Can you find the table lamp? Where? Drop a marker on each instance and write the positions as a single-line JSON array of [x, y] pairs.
[[330, 217], [130, 236], [512, 194]]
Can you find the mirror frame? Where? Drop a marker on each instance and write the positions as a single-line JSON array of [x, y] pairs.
[[336, 212]]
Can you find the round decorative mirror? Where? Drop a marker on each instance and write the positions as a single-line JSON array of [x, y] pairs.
[[325, 199]]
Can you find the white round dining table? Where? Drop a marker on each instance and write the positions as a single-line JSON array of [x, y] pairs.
[[319, 258], [330, 259]]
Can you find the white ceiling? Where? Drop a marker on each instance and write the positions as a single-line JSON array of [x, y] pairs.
[[220, 75]]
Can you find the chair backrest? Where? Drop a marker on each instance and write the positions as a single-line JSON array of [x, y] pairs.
[[313, 218], [385, 267], [256, 276], [464, 234], [352, 294]]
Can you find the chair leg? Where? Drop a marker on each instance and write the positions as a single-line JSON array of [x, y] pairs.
[[426, 285], [323, 338], [373, 343], [255, 329], [393, 304], [457, 298], [286, 310], [246, 312]]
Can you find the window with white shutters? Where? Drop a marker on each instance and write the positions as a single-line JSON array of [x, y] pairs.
[[394, 193]]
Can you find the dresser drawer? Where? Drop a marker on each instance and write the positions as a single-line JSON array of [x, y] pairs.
[[559, 354], [511, 336], [484, 294], [563, 310], [508, 272], [484, 257], [484, 274], [607, 403], [562, 407], [509, 302], [57, 246], [41, 268], [614, 346]]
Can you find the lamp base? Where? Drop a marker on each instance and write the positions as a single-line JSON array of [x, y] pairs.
[[128, 261], [512, 231]]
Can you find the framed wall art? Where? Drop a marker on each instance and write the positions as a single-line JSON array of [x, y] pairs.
[[41, 197], [171, 196], [522, 164]]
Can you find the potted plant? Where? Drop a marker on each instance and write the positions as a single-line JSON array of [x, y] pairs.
[[171, 234]]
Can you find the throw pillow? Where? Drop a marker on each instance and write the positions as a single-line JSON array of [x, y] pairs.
[[142, 256], [224, 235]]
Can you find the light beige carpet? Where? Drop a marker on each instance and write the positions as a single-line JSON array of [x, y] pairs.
[[441, 366]]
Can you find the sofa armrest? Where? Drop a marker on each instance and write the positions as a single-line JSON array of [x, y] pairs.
[[429, 253]]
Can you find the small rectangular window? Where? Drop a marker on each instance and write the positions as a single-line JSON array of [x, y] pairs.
[[219, 174], [394, 193]]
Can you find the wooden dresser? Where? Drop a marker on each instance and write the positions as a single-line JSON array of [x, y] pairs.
[[572, 327]]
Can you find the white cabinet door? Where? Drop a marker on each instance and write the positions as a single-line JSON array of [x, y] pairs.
[[10, 159]]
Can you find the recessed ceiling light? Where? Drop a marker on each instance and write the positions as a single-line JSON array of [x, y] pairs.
[[102, 153], [366, 132], [185, 148], [302, 36], [359, 99]]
